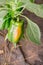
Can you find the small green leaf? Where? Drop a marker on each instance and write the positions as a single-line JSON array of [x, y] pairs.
[[7, 24], [2, 26]]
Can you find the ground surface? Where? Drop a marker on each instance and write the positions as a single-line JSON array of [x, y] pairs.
[[28, 53]]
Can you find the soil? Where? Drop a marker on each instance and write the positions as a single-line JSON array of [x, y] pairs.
[[28, 53]]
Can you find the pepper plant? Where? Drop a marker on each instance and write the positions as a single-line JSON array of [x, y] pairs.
[[13, 23]]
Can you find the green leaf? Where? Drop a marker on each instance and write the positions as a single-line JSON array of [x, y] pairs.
[[33, 31], [7, 25], [34, 8], [6, 22], [2, 26]]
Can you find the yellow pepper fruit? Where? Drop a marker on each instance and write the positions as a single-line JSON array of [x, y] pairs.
[[15, 31]]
